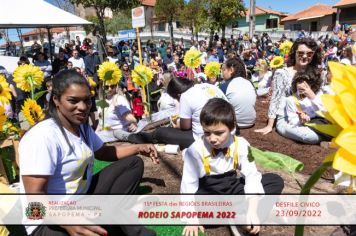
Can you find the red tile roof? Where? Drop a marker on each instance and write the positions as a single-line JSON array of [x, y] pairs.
[[264, 11], [317, 10], [344, 3], [150, 3], [42, 30]]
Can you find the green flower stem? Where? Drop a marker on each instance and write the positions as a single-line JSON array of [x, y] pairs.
[[103, 109], [30, 79]]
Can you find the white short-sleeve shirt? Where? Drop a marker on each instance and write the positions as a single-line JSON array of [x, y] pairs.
[[44, 151], [114, 114], [192, 102], [193, 168]]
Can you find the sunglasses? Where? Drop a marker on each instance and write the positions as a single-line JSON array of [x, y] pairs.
[[110, 86], [301, 53]]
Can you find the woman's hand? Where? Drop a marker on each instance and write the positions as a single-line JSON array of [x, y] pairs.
[[149, 150], [192, 230], [264, 130], [85, 230], [303, 117], [132, 127]]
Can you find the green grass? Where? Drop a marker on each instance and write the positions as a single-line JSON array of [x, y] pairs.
[[160, 230]]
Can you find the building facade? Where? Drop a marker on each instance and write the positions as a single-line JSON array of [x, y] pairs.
[[319, 17], [266, 20]]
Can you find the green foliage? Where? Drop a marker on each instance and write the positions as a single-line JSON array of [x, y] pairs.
[[222, 12], [168, 10], [121, 20], [194, 15], [100, 6]]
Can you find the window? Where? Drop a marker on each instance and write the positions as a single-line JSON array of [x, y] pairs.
[[34, 37], [314, 26], [162, 26], [26, 39], [271, 23], [178, 25], [296, 27]]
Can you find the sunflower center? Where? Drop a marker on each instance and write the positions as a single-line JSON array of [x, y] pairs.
[[34, 115], [1, 89], [108, 75]]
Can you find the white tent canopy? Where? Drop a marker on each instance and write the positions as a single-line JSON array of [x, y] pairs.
[[35, 14]]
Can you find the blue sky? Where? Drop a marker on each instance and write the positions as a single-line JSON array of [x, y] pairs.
[[290, 6]]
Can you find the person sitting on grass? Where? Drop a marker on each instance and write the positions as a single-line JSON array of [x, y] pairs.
[[57, 157], [118, 114], [301, 108], [208, 170]]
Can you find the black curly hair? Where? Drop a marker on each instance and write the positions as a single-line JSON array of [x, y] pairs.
[[311, 76], [238, 65], [310, 43]]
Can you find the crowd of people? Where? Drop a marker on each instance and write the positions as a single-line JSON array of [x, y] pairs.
[[211, 111]]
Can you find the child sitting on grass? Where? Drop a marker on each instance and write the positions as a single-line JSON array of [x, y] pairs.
[[301, 108], [210, 163]]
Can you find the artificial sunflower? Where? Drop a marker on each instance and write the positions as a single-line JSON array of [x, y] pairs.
[[340, 111], [285, 47], [276, 62], [192, 58], [109, 73], [5, 91], [92, 86], [142, 75], [3, 117], [32, 112], [212, 69], [24, 75]]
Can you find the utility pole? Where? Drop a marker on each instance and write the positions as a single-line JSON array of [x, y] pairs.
[[252, 17]]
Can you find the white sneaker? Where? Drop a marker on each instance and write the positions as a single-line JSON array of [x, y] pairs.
[[121, 135]]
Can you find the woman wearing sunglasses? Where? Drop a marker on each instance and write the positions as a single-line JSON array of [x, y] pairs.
[[304, 52]]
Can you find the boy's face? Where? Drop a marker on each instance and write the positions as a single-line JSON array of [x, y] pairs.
[[216, 135]]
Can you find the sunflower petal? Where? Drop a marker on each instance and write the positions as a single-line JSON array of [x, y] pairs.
[[336, 110], [347, 96], [347, 139], [345, 161], [351, 74]]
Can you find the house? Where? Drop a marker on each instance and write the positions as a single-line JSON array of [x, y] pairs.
[[266, 20], [346, 12], [41, 36], [319, 17], [152, 22]]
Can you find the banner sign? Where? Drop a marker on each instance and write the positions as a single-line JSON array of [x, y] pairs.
[[126, 34], [138, 17], [178, 209]]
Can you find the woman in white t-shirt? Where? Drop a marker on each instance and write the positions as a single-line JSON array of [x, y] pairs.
[[57, 156], [118, 115]]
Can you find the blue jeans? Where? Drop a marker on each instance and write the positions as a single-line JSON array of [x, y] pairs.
[[301, 134]]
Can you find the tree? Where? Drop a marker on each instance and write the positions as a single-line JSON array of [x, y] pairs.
[[221, 12], [169, 10], [67, 6], [100, 6], [193, 16], [121, 20]]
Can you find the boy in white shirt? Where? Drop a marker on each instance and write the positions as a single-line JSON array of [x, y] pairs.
[[210, 163]]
